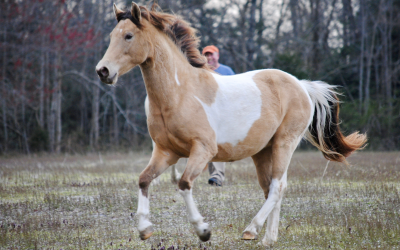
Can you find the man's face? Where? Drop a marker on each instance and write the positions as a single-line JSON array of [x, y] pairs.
[[212, 59]]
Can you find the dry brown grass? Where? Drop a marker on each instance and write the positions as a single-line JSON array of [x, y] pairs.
[[89, 202]]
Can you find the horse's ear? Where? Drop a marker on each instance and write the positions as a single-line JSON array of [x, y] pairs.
[[135, 11], [117, 11]]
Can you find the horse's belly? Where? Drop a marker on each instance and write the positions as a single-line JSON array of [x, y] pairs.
[[251, 146]]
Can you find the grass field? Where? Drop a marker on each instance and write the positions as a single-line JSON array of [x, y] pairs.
[[89, 202]]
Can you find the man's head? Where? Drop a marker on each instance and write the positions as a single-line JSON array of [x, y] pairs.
[[212, 54]]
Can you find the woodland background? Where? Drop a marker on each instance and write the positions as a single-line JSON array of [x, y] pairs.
[[52, 99]]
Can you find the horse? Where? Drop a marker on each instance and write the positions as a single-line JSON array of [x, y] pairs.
[[206, 117]]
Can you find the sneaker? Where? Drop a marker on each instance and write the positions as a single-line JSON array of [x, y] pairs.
[[214, 182]]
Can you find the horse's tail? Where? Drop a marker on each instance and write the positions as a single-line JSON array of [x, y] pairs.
[[324, 131]]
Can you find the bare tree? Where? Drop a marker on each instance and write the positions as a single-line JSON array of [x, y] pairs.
[[4, 89], [50, 91]]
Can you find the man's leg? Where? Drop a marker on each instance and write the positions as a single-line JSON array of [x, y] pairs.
[[217, 173]]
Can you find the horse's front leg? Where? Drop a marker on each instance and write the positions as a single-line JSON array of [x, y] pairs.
[[199, 157], [160, 160]]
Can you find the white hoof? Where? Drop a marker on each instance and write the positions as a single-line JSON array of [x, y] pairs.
[[268, 243]]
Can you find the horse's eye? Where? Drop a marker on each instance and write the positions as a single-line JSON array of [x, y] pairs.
[[128, 36]]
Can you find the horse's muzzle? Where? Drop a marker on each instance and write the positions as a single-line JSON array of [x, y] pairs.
[[104, 75]]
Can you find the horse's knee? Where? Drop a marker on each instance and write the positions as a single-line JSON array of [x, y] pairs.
[[184, 184]]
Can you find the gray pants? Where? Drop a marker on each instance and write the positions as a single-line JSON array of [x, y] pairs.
[[217, 170]]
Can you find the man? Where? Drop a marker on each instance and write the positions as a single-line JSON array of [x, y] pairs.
[[216, 169], [212, 54]]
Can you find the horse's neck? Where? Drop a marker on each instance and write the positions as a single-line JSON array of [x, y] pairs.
[[161, 75]]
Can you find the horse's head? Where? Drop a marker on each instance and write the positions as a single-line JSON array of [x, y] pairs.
[[129, 46]]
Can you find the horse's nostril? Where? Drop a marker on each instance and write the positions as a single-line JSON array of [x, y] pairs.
[[103, 72]]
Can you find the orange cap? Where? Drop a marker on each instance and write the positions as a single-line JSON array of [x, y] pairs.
[[210, 49]]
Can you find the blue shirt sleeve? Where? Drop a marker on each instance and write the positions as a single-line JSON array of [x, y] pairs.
[[224, 70]]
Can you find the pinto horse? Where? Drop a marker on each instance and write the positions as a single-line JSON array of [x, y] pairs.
[[196, 113]]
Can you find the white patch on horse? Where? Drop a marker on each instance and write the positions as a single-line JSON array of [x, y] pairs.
[[271, 232], [120, 30], [275, 194], [194, 216], [176, 77], [237, 106], [143, 212]]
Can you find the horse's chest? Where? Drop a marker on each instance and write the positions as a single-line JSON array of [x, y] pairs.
[[157, 128], [166, 133]]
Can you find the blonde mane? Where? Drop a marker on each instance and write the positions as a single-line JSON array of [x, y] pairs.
[[178, 30]]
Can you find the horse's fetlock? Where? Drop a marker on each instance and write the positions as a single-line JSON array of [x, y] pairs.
[[141, 215], [144, 183], [196, 221], [184, 185]]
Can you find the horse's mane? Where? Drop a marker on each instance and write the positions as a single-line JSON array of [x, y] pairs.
[[177, 30]]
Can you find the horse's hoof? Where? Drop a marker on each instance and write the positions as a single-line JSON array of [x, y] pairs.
[[248, 236], [268, 243], [147, 233], [206, 235]]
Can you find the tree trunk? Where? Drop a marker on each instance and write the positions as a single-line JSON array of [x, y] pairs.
[[83, 110], [386, 37], [41, 86], [326, 30], [4, 89], [251, 32], [243, 30], [361, 70], [95, 129], [277, 32], [23, 106], [53, 112], [315, 53], [370, 55], [377, 80], [58, 104], [115, 119], [260, 29], [293, 4], [349, 26], [95, 117], [47, 100]]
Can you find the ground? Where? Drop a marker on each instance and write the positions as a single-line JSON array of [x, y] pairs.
[[89, 202]]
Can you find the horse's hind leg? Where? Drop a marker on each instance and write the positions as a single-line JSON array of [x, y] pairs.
[[271, 233], [272, 181], [263, 162]]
